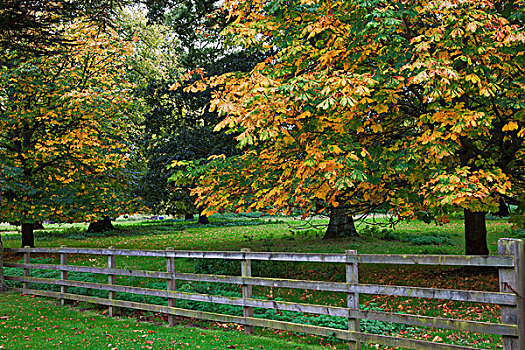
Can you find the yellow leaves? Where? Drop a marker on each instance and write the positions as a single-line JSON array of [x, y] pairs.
[[510, 126], [458, 32], [472, 78], [323, 191], [471, 27], [174, 86], [376, 128], [334, 149], [381, 108]]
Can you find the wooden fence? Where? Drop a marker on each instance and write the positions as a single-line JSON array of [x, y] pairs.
[[510, 263]]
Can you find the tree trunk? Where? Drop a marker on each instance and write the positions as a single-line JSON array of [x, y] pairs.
[[203, 219], [38, 226], [503, 209], [28, 237], [3, 286], [475, 233], [341, 224], [100, 225], [188, 217]]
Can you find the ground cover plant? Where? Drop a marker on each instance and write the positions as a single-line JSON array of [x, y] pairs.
[[291, 235]]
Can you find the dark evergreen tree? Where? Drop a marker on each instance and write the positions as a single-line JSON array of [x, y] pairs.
[[180, 125]]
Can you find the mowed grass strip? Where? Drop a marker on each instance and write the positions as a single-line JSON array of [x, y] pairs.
[[37, 323]]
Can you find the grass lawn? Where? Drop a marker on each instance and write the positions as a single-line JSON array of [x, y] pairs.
[[36, 323], [282, 235]]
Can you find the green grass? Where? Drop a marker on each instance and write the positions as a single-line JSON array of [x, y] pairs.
[[36, 323], [294, 235]]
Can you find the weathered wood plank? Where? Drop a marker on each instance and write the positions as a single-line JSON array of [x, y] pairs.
[[246, 271], [415, 320], [400, 259], [512, 280], [342, 334], [352, 299], [442, 260], [412, 292], [170, 284], [63, 275], [111, 281], [436, 293], [27, 260], [98, 270]]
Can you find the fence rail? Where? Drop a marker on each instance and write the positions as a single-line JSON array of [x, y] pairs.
[[509, 261], [398, 259]]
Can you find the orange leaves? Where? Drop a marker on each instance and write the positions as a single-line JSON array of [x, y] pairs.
[[467, 189], [510, 126], [358, 103], [69, 145]]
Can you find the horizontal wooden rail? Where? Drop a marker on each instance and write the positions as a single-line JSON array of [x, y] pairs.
[[403, 291], [414, 320], [398, 259], [257, 322]]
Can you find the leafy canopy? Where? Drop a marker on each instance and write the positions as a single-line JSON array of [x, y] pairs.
[[416, 104], [63, 120]]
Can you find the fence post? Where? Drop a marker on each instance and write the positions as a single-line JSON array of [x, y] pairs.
[[246, 271], [170, 269], [63, 275], [111, 281], [27, 260], [511, 280], [352, 299]]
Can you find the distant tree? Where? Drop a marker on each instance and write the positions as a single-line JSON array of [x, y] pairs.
[[63, 123], [180, 123], [37, 27]]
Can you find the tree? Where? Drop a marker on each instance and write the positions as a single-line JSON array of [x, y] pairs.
[[3, 286], [418, 106], [180, 125], [35, 26], [63, 122]]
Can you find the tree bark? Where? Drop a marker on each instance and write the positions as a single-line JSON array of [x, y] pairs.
[[102, 225], [3, 286], [503, 209], [341, 224], [203, 219], [28, 236], [188, 217], [475, 233]]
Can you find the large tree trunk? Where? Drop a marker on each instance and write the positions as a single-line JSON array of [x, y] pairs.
[[28, 237], [341, 224], [101, 225], [3, 286], [203, 219], [475, 233], [188, 217]]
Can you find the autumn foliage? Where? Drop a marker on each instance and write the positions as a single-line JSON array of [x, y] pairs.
[[416, 105], [63, 127]]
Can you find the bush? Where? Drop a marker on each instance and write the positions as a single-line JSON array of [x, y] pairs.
[[380, 233], [434, 239]]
